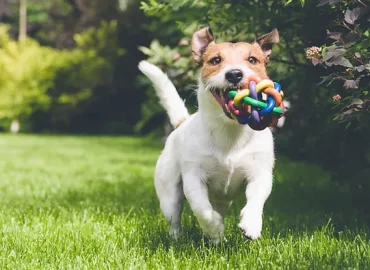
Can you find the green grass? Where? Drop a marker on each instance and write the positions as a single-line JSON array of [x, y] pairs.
[[89, 203]]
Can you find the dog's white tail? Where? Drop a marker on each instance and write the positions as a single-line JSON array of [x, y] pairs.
[[166, 91]]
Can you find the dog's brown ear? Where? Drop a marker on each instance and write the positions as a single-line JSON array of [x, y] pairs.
[[266, 41], [199, 43]]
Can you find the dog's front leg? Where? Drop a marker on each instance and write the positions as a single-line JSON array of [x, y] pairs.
[[196, 192], [258, 190]]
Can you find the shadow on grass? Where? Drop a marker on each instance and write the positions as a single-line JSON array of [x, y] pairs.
[[305, 197]]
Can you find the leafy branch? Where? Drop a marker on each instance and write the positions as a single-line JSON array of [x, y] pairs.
[[349, 59]]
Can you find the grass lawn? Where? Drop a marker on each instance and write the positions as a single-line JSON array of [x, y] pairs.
[[89, 203]]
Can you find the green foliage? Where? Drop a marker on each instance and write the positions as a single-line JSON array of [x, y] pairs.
[[42, 79], [348, 59], [25, 79], [90, 63], [301, 1]]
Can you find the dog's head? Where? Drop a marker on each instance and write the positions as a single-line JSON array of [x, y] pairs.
[[227, 66]]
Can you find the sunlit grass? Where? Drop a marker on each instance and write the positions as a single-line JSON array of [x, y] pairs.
[[89, 203]]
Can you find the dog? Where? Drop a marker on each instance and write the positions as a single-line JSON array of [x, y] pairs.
[[209, 157]]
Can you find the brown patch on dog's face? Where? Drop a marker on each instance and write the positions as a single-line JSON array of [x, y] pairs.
[[224, 55]]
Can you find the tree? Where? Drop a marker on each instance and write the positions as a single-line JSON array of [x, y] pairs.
[[2, 9], [22, 20]]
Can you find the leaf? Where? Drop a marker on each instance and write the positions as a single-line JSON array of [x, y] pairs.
[[339, 61], [326, 79], [301, 1], [322, 3], [357, 101], [357, 54], [350, 84], [359, 79], [315, 61], [145, 50], [352, 15], [350, 39], [359, 68], [348, 125], [333, 2], [366, 105], [288, 2], [329, 55], [345, 113], [334, 35], [333, 51]]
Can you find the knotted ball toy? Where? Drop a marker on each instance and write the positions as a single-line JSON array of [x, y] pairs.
[[248, 106]]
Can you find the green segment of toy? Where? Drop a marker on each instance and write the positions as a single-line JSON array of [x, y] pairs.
[[255, 103]]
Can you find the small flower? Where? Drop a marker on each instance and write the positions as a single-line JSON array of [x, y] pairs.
[[337, 98], [176, 56], [313, 52], [349, 70]]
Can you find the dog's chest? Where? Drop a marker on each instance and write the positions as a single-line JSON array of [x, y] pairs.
[[226, 175]]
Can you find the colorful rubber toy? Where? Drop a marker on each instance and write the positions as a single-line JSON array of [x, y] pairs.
[[248, 107]]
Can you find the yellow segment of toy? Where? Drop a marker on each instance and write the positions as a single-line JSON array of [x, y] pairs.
[[264, 84], [240, 95]]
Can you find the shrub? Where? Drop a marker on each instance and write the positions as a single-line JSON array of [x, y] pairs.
[[36, 79], [348, 60]]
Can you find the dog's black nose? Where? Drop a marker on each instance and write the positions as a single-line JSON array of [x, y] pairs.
[[234, 76]]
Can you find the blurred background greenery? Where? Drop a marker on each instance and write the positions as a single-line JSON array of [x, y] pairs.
[[70, 66]]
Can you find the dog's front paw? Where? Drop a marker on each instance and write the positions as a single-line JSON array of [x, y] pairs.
[[217, 240], [175, 233], [212, 226], [214, 240], [251, 225]]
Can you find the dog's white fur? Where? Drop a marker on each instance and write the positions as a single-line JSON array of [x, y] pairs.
[[282, 120], [208, 160]]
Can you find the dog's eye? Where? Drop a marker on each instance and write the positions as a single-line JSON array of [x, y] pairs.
[[252, 60], [215, 60]]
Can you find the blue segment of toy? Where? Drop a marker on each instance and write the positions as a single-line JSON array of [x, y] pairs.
[[277, 86], [270, 106]]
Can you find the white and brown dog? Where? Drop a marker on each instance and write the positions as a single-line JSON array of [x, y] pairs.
[[209, 158]]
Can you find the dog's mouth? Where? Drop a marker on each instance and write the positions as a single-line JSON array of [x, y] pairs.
[[222, 97]]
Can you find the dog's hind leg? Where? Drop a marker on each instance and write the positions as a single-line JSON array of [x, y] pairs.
[[170, 192]]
